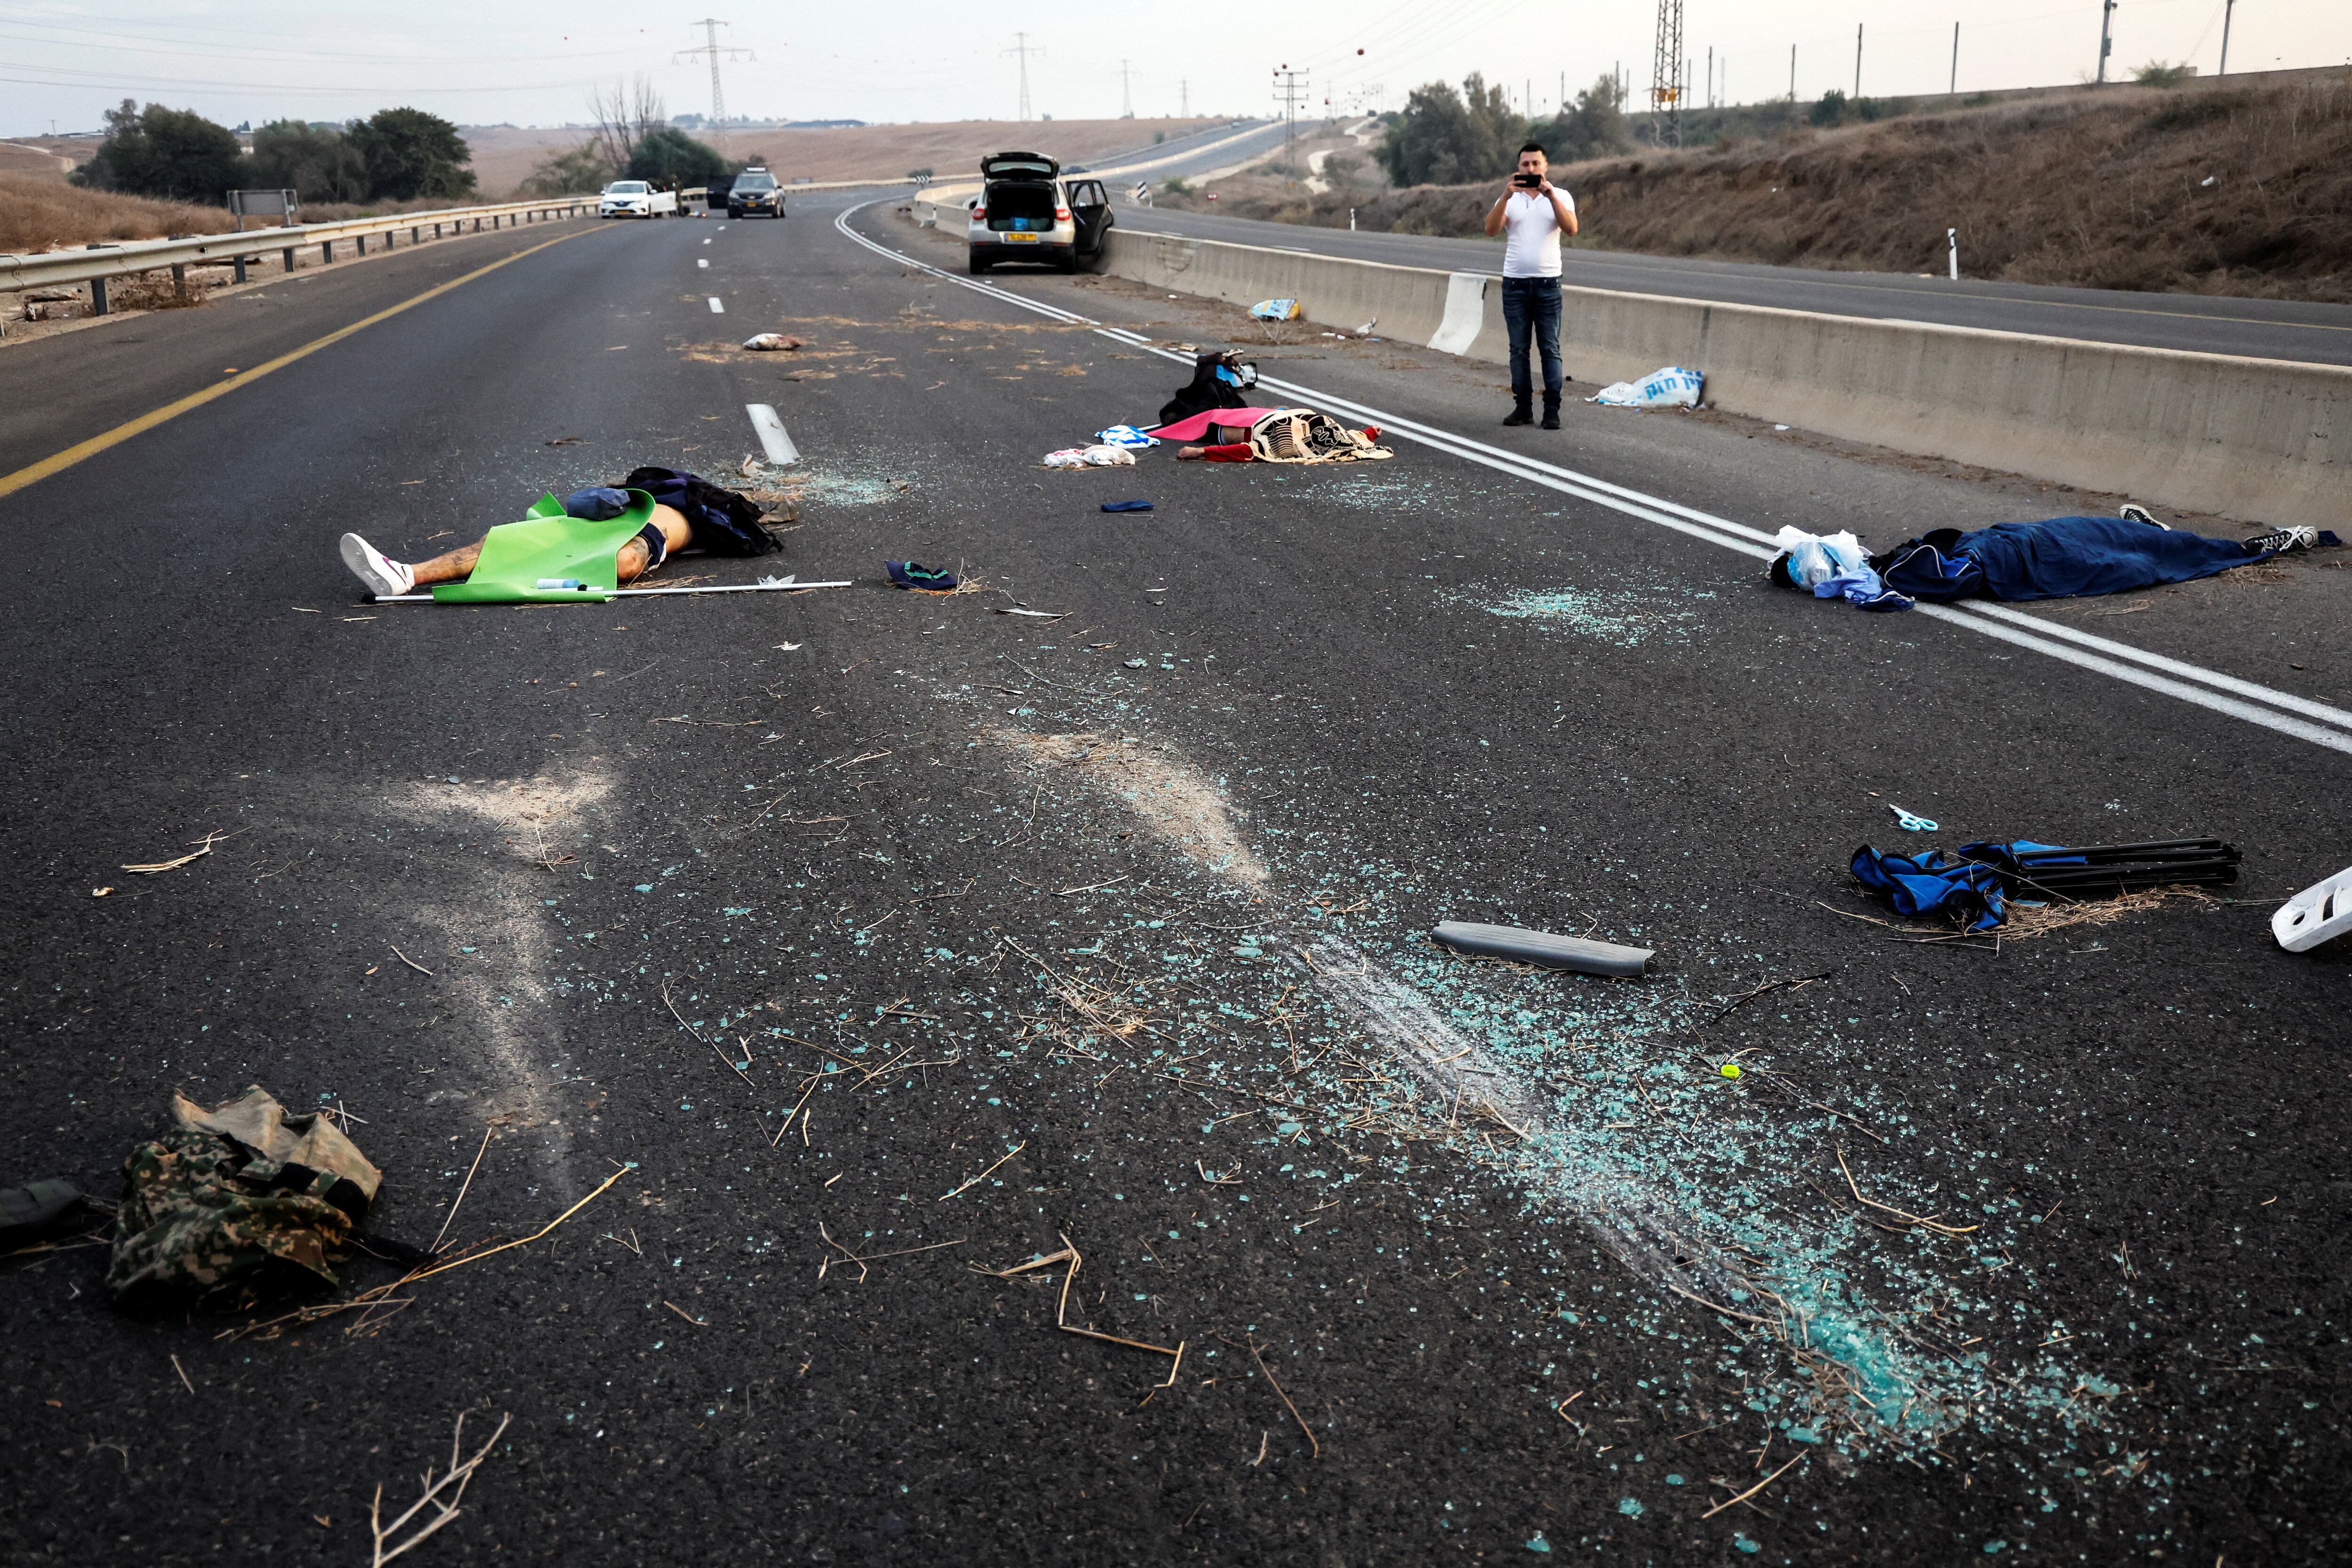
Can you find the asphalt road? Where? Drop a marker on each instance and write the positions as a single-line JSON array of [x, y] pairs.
[[2262, 329], [881, 944]]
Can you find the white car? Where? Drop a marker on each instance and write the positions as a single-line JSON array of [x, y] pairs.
[[636, 198]]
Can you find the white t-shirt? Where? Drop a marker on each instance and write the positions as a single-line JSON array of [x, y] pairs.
[[1531, 234]]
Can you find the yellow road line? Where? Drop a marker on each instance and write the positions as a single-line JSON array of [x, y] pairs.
[[60, 461]]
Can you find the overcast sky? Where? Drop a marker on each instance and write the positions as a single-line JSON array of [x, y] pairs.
[[533, 61]]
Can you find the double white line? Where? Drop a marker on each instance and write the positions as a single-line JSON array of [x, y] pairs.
[[2317, 723]]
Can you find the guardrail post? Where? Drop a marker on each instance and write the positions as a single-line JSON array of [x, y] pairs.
[[98, 296], [326, 250], [412, 235], [238, 262], [361, 241], [436, 231], [180, 278], [289, 257]]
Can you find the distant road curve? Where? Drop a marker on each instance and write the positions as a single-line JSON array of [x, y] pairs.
[[2262, 329]]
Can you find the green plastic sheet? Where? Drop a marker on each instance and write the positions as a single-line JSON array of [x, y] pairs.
[[547, 544]]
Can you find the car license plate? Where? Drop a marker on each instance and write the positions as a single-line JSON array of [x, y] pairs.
[[1019, 239]]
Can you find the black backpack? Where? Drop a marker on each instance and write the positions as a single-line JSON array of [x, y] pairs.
[[1206, 391]]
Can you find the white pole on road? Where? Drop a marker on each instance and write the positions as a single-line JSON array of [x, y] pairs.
[[1952, 239], [774, 440]]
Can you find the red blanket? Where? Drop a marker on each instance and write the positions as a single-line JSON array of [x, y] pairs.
[[1195, 427]]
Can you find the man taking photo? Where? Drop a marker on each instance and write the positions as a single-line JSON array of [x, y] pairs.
[[1532, 214]]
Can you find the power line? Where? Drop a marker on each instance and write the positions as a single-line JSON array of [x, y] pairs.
[[1290, 95], [716, 50], [1023, 49], [1666, 73]]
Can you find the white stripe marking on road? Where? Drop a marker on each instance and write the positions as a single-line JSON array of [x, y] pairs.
[[702, 261], [2110, 658], [715, 308], [774, 440]]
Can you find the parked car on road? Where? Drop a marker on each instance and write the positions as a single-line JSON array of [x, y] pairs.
[[754, 190], [1029, 211], [636, 198]]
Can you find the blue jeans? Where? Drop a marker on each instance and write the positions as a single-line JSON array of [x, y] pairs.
[[1532, 304]]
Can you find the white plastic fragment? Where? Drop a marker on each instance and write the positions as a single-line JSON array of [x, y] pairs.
[[2321, 912]]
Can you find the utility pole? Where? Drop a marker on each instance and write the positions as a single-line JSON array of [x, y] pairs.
[[1954, 90], [1184, 98], [2106, 38], [1710, 76], [1023, 49], [1289, 94], [711, 47], [1667, 75], [1792, 73], [2228, 6], [1126, 93], [1857, 57]]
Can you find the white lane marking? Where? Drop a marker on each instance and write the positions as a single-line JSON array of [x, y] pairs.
[[702, 261], [715, 308], [706, 239], [1999, 622], [771, 432]]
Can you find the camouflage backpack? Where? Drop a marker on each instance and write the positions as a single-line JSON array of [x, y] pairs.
[[236, 1203]]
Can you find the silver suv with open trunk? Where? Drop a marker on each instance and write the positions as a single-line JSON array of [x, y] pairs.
[[1028, 211]]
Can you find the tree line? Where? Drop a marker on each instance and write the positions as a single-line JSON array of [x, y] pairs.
[[1447, 138], [394, 154]]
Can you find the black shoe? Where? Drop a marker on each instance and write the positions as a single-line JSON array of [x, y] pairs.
[[1551, 414], [1520, 413]]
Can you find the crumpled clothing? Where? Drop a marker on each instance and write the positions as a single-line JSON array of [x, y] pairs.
[[1089, 457], [1303, 436], [724, 522], [2056, 558], [920, 579], [235, 1201], [1126, 435], [598, 503], [1861, 588], [1933, 883]]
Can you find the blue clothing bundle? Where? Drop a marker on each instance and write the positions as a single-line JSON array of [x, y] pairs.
[[1968, 883], [2060, 558], [2057, 558]]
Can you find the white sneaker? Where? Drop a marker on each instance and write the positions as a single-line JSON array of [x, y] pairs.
[[384, 577], [2132, 512]]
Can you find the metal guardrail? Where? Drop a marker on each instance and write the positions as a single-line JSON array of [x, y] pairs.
[[52, 269]]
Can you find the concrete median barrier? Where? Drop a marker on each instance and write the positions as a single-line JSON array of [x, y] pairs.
[[2260, 441]]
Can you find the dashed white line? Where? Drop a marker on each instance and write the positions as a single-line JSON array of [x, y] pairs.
[[715, 308], [771, 432], [2135, 667], [702, 261]]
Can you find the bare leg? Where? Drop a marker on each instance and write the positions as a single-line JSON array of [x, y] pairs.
[[459, 564]]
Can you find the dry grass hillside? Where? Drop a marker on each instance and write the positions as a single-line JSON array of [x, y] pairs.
[[2209, 188], [37, 212]]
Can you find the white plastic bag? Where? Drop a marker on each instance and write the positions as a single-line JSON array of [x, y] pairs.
[[1109, 457], [1672, 388], [1816, 558]]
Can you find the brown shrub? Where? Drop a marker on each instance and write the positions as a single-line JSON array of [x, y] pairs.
[[2103, 190]]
